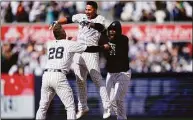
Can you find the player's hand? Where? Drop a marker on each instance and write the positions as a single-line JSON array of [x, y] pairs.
[[112, 46], [107, 46], [51, 27]]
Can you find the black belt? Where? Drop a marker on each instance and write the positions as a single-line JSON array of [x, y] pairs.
[[52, 70]]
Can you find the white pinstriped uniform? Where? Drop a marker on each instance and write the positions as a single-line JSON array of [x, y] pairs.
[[117, 87], [88, 62], [60, 54]]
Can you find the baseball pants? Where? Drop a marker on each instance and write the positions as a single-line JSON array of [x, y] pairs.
[[89, 63], [117, 87], [56, 83]]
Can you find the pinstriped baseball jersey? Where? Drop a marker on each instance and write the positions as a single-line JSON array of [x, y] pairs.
[[88, 36], [88, 62], [61, 52]]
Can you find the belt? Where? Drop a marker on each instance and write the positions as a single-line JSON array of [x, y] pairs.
[[54, 70]]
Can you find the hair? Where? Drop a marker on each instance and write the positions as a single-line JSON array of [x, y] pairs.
[[92, 3], [59, 32]]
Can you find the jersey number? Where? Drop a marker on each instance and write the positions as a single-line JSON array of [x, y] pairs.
[[56, 53]]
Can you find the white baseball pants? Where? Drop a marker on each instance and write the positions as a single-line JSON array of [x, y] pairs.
[[117, 86], [89, 63], [56, 83]]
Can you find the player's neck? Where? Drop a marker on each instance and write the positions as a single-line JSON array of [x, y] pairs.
[[94, 16]]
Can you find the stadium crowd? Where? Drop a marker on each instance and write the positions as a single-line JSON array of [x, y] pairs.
[[27, 58], [160, 56], [144, 57], [153, 11]]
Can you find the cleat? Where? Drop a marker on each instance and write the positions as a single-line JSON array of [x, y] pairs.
[[82, 113], [106, 114]]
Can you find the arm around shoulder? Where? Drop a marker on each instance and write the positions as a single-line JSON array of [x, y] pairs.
[[97, 26], [93, 49]]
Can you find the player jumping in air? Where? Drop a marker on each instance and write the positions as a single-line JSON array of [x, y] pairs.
[[90, 27]]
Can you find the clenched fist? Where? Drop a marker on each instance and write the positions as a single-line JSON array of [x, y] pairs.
[[53, 25], [107, 46]]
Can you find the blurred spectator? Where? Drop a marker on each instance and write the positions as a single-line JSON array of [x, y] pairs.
[[160, 13], [28, 58], [151, 17], [127, 13], [55, 9], [80, 6], [106, 9], [8, 58], [68, 8], [41, 59], [49, 15], [146, 11], [160, 16], [118, 8], [144, 16], [35, 12], [21, 14], [8, 14], [14, 6], [188, 9], [42, 15], [179, 11], [17, 69]]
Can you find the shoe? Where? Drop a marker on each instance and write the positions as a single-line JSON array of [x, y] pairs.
[[81, 113], [106, 114]]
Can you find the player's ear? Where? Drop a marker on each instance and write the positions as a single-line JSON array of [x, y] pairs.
[[95, 10]]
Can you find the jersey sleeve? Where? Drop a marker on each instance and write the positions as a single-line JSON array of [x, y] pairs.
[[77, 47], [77, 18], [101, 20]]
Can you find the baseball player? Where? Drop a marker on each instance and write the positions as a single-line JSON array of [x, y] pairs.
[[60, 54], [90, 27], [117, 65]]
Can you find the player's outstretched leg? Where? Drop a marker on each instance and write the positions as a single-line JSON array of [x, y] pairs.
[[121, 88], [65, 93], [99, 82], [110, 81], [92, 63], [81, 76], [47, 94]]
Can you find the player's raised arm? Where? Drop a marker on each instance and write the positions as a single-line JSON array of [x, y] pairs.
[[63, 20]]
